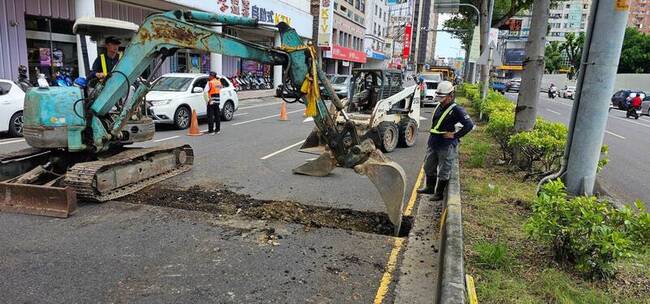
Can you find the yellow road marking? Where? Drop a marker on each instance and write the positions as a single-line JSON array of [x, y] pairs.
[[442, 221], [471, 289], [397, 246]]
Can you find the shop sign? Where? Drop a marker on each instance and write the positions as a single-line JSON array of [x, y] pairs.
[[44, 57], [407, 41], [372, 54], [274, 11], [343, 53], [325, 23]]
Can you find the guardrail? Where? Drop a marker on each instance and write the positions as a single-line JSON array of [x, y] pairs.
[[451, 282]]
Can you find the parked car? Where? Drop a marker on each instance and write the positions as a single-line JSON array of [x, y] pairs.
[[645, 106], [174, 96], [340, 84], [619, 98], [568, 92], [499, 86], [513, 85], [431, 81], [12, 100]]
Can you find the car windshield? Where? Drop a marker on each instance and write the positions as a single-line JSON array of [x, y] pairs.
[[339, 80], [431, 77], [172, 84]]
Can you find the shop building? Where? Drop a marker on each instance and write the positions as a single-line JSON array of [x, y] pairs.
[[39, 33], [341, 33]]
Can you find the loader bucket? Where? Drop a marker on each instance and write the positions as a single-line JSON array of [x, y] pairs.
[[37, 199], [322, 166], [390, 180], [313, 144]]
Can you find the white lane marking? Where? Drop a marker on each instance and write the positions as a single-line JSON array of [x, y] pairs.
[[166, 138], [308, 119], [423, 118], [281, 150], [554, 112], [630, 121], [614, 134], [261, 105], [240, 114], [12, 141], [265, 117]]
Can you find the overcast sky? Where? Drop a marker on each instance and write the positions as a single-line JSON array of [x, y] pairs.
[[446, 45]]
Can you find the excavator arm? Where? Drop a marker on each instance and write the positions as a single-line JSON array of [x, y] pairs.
[[161, 35]]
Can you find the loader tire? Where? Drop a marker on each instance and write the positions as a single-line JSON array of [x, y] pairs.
[[388, 136], [408, 133]]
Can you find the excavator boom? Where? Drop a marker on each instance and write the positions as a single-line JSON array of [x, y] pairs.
[[101, 128]]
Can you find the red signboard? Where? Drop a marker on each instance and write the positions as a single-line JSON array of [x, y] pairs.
[[407, 41], [343, 53]]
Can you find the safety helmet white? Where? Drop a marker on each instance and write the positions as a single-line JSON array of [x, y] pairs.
[[445, 88]]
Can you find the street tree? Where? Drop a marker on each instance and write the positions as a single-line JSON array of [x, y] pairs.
[[635, 55], [553, 57], [572, 47]]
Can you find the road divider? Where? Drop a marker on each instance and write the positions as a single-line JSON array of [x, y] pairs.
[[281, 150], [265, 117]]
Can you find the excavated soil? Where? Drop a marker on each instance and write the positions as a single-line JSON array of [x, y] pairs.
[[225, 202]]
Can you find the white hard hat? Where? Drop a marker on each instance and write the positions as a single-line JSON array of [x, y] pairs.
[[445, 88]]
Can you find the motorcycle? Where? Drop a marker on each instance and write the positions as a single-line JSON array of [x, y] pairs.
[[63, 78], [552, 92]]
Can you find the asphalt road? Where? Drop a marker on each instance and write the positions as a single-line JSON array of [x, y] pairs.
[[626, 176], [121, 252]]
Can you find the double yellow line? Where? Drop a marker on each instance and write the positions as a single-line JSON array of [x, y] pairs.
[[397, 246]]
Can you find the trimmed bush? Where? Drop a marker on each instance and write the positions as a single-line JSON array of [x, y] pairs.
[[501, 126], [543, 146], [587, 232]]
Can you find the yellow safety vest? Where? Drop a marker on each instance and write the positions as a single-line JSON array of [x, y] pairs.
[[102, 58], [435, 130]]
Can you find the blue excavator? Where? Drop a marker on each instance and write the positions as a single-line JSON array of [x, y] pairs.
[[79, 139]]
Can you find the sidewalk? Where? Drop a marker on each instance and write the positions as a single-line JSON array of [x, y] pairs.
[[252, 94]]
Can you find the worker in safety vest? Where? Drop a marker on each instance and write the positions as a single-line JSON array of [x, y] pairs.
[[442, 147], [214, 94], [105, 62]]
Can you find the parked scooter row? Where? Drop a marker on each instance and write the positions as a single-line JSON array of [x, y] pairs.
[[250, 81]]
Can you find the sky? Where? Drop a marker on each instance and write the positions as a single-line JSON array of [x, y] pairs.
[[446, 45]]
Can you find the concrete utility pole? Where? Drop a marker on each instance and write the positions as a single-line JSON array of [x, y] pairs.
[[600, 57], [531, 78], [487, 8]]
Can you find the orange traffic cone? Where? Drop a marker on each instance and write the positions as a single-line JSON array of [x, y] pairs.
[[283, 112], [194, 125]]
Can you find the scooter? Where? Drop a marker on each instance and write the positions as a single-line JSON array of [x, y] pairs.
[[552, 92], [63, 78]]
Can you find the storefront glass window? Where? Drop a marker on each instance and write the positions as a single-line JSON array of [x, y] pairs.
[[51, 46]]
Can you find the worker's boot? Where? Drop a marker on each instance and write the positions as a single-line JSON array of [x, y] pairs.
[[440, 190], [430, 185]]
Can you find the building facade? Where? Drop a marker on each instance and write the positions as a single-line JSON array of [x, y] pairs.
[[425, 20], [567, 17], [639, 15], [376, 32], [400, 30], [39, 33], [345, 48]]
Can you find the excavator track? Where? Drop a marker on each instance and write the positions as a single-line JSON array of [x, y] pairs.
[[142, 167]]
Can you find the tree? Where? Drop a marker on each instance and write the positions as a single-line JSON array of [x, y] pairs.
[[553, 57], [635, 56], [572, 47]]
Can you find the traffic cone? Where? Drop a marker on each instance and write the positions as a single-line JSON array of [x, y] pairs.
[[283, 112], [194, 125]]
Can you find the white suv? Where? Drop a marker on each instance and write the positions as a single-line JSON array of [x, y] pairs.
[[12, 100], [174, 96]]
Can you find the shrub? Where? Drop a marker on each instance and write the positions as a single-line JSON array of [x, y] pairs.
[[543, 145], [501, 126], [587, 232], [495, 102]]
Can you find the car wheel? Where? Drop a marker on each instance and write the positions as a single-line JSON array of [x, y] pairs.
[[228, 111], [388, 136], [182, 117], [408, 133], [16, 125]]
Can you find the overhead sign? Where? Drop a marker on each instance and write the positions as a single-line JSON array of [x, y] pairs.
[[273, 11], [343, 53], [325, 23], [406, 51]]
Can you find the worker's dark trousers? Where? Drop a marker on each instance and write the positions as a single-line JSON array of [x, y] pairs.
[[214, 115], [438, 161]]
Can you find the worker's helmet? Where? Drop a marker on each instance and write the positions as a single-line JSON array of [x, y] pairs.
[[445, 88], [22, 70]]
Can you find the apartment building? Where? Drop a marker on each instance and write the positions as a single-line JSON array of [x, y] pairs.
[[639, 16]]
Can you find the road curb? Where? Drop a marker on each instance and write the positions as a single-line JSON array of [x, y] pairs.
[[451, 282]]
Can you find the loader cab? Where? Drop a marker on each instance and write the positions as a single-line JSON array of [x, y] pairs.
[[98, 29], [369, 86]]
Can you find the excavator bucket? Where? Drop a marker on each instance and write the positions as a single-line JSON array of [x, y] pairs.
[[322, 166], [390, 180], [37, 199], [313, 143]]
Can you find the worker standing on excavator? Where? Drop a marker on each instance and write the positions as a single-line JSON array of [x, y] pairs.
[[105, 63], [214, 95], [442, 147]]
